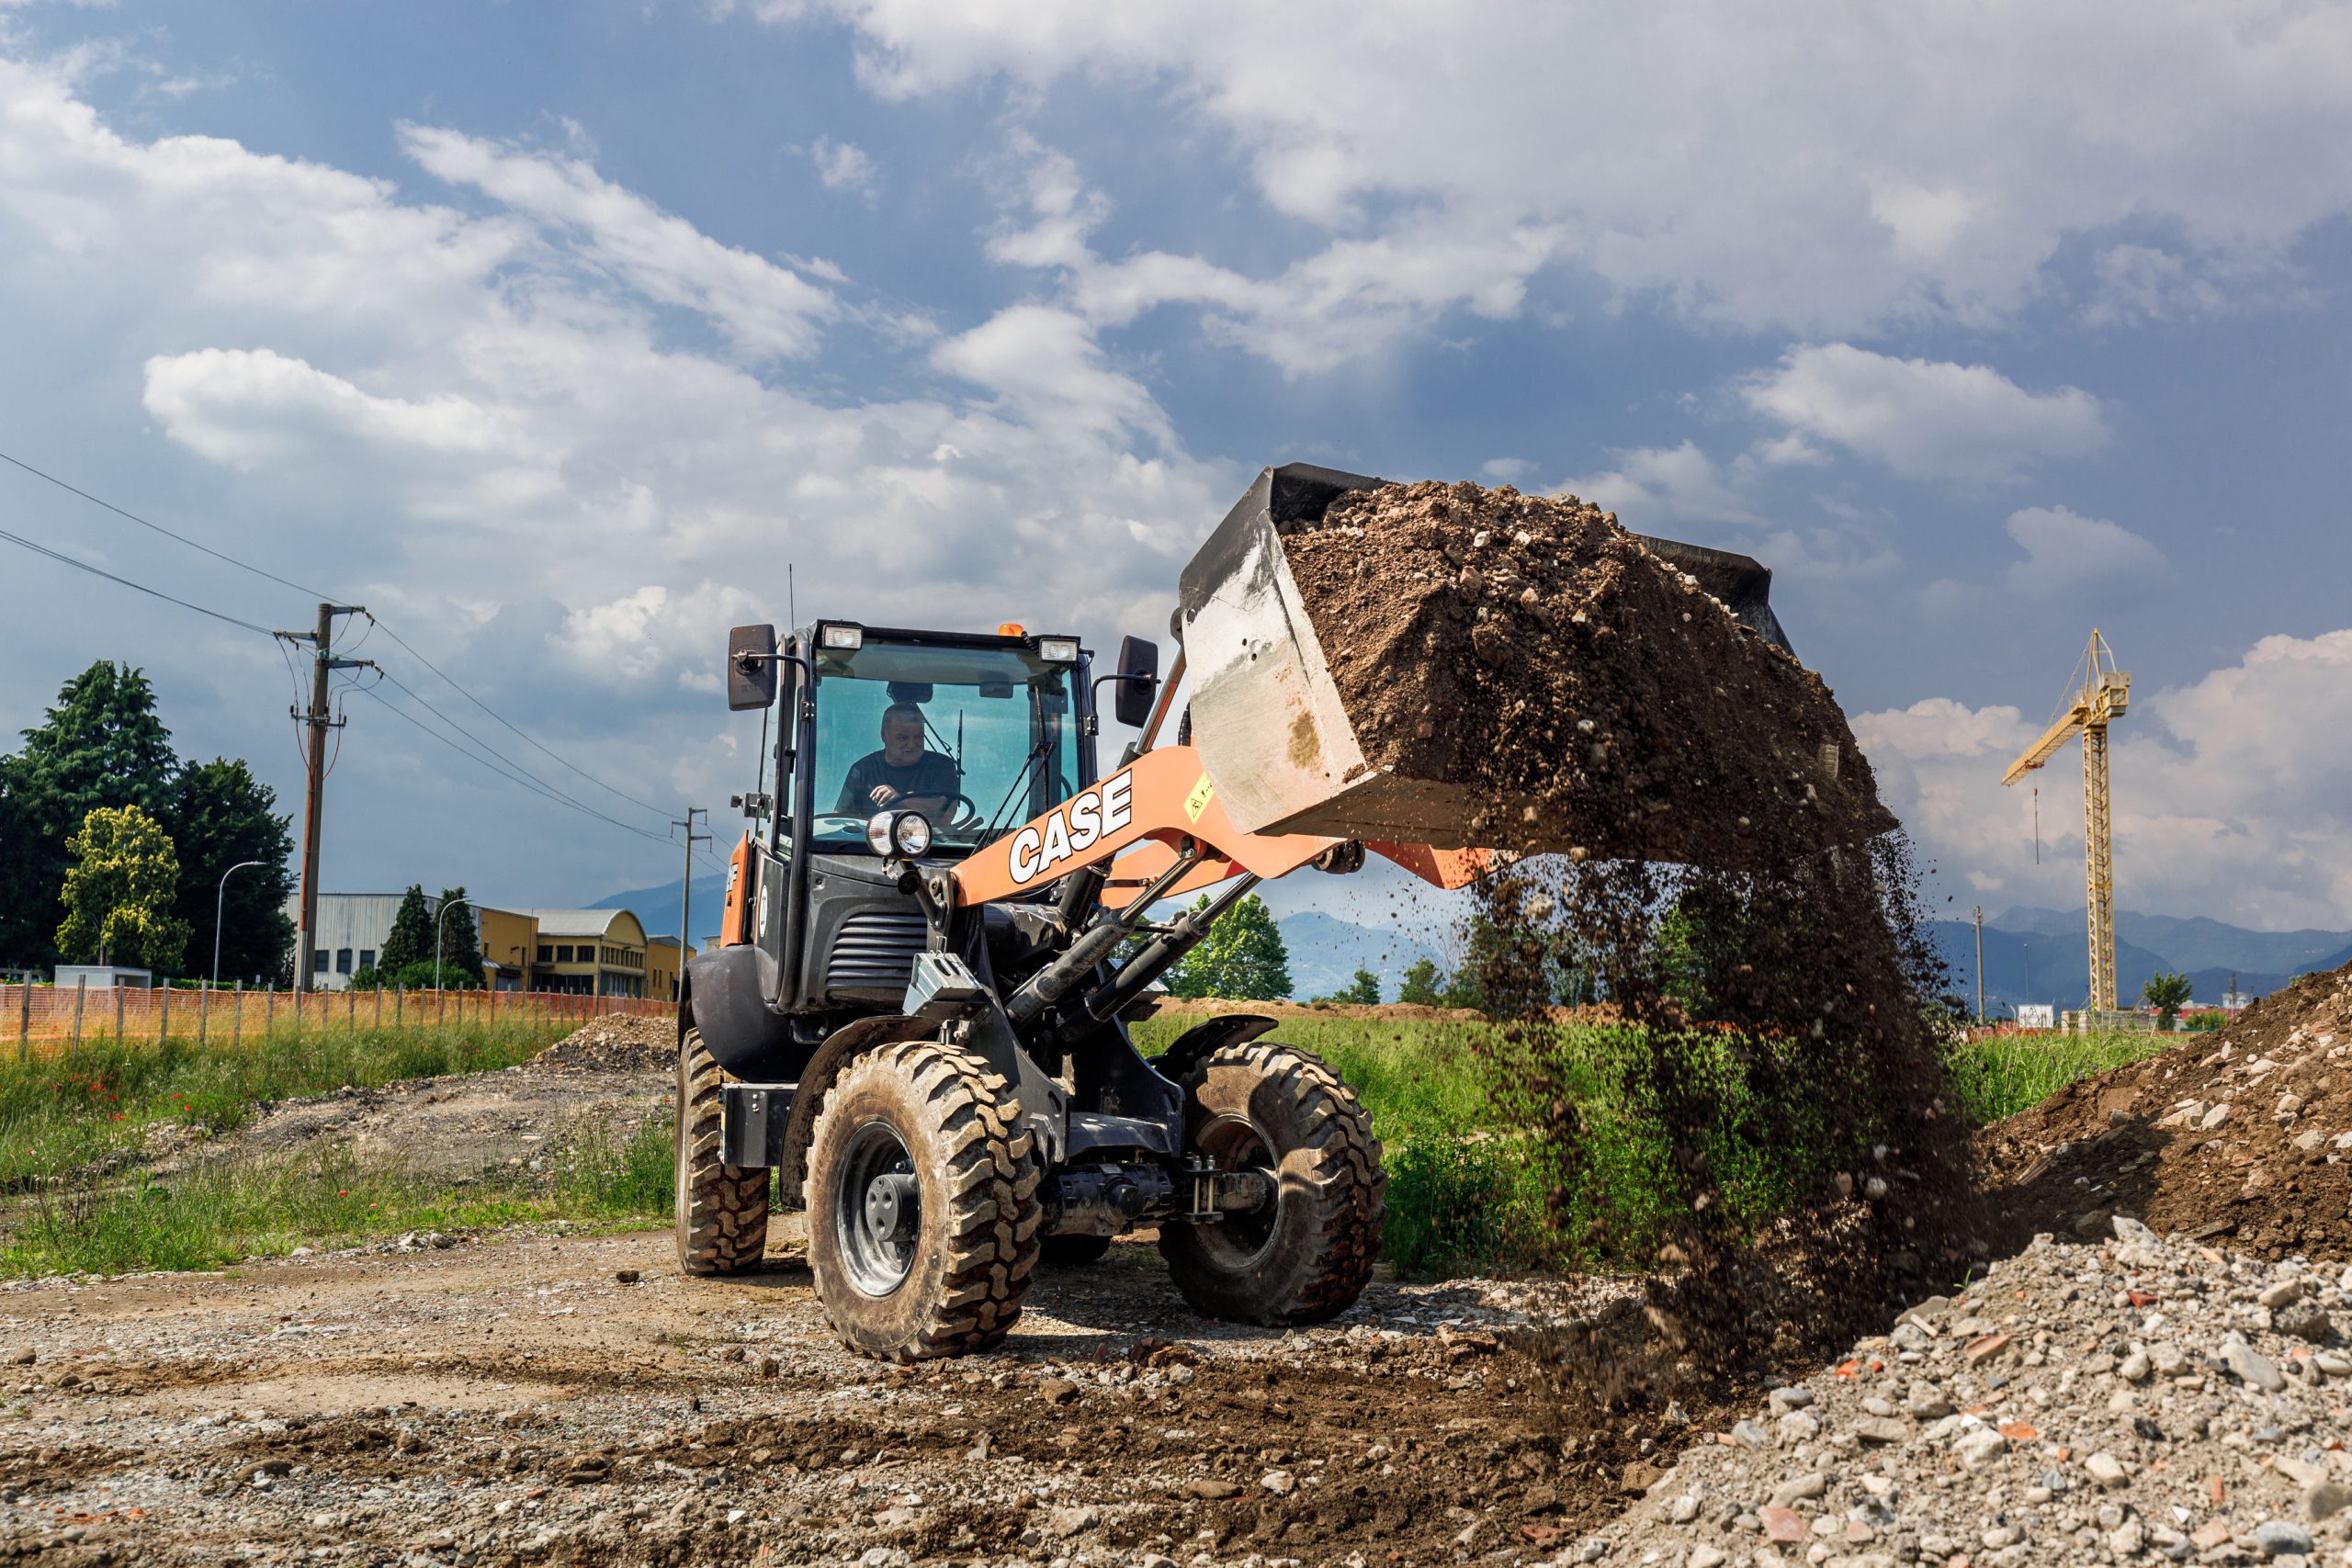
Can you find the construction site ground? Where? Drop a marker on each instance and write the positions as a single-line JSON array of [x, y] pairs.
[[534, 1397]]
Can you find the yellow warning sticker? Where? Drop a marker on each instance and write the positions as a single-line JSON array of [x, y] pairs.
[[1198, 801]]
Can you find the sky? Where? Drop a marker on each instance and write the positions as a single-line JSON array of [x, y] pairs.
[[554, 334]]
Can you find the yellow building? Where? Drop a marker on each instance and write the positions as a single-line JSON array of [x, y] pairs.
[[510, 939], [661, 966], [589, 953]]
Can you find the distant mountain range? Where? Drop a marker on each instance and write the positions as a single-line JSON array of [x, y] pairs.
[[2043, 955], [2030, 954]]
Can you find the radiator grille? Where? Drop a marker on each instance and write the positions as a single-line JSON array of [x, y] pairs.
[[875, 950]]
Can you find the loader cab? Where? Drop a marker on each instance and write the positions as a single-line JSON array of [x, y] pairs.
[[1006, 728]]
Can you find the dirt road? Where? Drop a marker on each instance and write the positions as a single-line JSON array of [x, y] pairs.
[[541, 1398]]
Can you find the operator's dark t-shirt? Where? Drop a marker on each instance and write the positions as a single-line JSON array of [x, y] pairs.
[[929, 774]]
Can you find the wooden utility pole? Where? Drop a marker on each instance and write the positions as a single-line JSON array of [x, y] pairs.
[[686, 887], [320, 719]]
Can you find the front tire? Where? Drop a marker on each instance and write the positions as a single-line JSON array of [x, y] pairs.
[[1265, 1106], [721, 1210], [923, 1211]]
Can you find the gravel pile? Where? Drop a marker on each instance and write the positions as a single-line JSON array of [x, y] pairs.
[[2125, 1402], [2241, 1138], [617, 1044]]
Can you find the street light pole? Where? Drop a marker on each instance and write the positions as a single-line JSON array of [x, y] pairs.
[[219, 901], [446, 905]]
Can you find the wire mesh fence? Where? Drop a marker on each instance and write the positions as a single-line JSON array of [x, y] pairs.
[[49, 1019]]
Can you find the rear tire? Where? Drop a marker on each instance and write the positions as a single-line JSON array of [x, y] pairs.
[[1263, 1105], [721, 1210], [922, 1203], [1074, 1251]]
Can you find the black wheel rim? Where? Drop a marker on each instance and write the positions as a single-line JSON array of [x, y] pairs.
[[877, 1210], [1240, 1239]]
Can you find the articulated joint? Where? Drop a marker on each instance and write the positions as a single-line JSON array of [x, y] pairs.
[[1104, 1200]]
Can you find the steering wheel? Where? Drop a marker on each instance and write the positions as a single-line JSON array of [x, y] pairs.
[[967, 817]]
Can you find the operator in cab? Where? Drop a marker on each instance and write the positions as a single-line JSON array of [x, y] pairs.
[[904, 776]]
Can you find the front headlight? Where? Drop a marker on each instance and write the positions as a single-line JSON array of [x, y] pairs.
[[906, 833], [912, 834], [1058, 649]]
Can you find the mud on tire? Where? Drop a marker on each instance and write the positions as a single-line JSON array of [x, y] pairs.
[[721, 1210], [1268, 1106], [923, 1210]]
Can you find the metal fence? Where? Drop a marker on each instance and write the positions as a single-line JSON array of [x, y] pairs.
[[55, 1018]]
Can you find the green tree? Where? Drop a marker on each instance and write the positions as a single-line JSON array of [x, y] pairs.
[[460, 943], [411, 940], [119, 890], [100, 746], [2166, 993], [1242, 958], [219, 815], [1363, 990], [1423, 984]]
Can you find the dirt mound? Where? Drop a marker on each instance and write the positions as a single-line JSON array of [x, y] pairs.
[[1592, 695], [2246, 1133], [615, 1044]]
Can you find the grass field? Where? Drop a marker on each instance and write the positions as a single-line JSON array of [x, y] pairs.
[[1464, 1193], [73, 1196]]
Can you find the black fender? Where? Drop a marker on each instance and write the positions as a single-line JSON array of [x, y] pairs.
[[842, 1047], [729, 995], [1187, 1051]]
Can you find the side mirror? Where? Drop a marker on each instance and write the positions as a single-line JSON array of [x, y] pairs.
[[750, 668], [1139, 667]]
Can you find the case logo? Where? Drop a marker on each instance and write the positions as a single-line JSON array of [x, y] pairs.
[[1071, 829]]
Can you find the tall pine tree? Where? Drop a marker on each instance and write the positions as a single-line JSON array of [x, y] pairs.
[[411, 941], [460, 943], [100, 746]]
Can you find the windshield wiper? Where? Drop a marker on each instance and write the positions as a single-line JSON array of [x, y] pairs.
[[1036, 754]]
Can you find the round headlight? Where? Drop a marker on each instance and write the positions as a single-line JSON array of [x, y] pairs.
[[912, 834], [904, 834]]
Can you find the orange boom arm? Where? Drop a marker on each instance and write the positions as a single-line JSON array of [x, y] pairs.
[[1154, 806]]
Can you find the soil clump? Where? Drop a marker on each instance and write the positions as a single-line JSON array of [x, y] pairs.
[[2241, 1136], [1590, 696]]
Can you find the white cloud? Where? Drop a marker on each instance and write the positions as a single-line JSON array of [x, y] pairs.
[[1721, 159], [845, 165], [483, 426], [2065, 550], [1353, 298], [765, 310], [1925, 418], [1652, 485], [2227, 793]]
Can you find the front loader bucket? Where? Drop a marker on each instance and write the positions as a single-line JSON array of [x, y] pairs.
[[1268, 720]]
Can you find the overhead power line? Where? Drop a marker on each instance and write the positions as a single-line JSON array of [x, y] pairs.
[[169, 534], [502, 718], [80, 565], [518, 771], [374, 622]]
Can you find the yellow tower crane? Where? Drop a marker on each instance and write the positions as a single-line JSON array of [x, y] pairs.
[[2100, 696]]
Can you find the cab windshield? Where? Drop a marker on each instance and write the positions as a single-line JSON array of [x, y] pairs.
[[979, 739]]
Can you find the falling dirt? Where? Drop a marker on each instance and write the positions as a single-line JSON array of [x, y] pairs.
[[1722, 877], [2242, 1137]]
